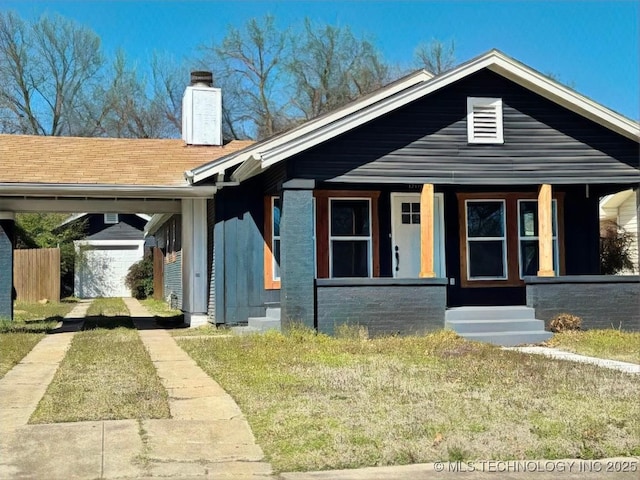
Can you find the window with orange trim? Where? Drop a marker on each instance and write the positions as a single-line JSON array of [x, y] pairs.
[[272, 211]]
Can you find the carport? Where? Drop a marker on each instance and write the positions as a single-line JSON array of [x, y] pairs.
[[103, 175]]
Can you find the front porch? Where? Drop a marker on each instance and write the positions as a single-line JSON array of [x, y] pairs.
[[453, 260]]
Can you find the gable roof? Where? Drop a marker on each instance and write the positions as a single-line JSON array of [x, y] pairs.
[[216, 166], [119, 231], [262, 155], [76, 216], [103, 161]]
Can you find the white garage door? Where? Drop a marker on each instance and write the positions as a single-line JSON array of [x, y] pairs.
[[101, 269]]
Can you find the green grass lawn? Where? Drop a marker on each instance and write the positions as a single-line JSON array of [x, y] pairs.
[[316, 402], [610, 343], [106, 375], [159, 308], [107, 307], [31, 322]]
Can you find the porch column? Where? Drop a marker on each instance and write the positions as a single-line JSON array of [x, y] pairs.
[[297, 271], [194, 261], [426, 232], [7, 239], [545, 232]]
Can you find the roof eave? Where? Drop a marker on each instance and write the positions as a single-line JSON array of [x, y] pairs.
[[106, 191], [206, 171]]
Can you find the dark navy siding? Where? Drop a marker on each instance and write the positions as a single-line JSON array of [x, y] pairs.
[[239, 246], [426, 142], [7, 238]]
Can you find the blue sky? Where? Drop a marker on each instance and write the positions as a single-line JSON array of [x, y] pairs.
[[593, 45]]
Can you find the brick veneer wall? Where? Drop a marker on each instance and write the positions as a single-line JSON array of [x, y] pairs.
[[297, 254], [384, 305], [601, 301]]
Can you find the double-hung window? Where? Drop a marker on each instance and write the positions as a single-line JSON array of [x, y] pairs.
[[350, 239], [486, 240], [528, 237]]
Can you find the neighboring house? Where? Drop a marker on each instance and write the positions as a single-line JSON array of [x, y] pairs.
[[478, 187], [622, 208], [167, 258], [113, 243]]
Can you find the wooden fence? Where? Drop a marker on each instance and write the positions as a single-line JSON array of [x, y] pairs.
[[36, 274], [158, 274]]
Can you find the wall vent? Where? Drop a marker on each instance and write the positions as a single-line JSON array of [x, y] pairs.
[[484, 120], [202, 111]]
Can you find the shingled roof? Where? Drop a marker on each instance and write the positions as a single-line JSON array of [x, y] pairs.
[[115, 161]]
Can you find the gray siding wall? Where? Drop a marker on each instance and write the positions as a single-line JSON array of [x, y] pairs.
[[6, 269], [385, 306], [601, 301], [238, 255], [173, 278], [426, 142]]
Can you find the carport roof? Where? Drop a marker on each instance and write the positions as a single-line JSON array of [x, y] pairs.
[[103, 161]]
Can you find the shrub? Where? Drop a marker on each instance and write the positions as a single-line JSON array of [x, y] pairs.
[[615, 248], [140, 278], [564, 322]]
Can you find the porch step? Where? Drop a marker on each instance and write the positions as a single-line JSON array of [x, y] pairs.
[[509, 339], [244, 330], [273, 312], [265, 323], [504, 325], [490, 313], [487, 326]]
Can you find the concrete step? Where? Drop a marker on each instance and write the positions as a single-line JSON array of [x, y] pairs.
[[245, 330], [485, 326], [490, 313], [509, 339], [264, 323], [273, 312]]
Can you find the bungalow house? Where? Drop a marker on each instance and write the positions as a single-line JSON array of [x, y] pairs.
[[467, 199]]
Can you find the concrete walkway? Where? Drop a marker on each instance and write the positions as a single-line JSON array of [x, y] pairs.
[[207, 436], [574, 357]]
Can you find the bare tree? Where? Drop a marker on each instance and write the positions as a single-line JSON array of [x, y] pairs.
[[48, 73], [247, 65], [435, 56], [331, 67]]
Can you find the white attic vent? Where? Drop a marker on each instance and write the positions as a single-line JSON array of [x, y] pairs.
[[110, 218], [202, 111], [484, 120]]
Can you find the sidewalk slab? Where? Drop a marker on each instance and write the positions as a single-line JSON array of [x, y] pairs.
[[574, 357], [570, 469]]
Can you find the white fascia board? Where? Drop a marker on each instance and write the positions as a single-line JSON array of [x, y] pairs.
[[250, 167], [416, 78], [495, 61], [564, 96], [614, 200], [155, 223], [105, 191]]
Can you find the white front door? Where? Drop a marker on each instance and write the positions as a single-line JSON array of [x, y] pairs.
[[405, 235]]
